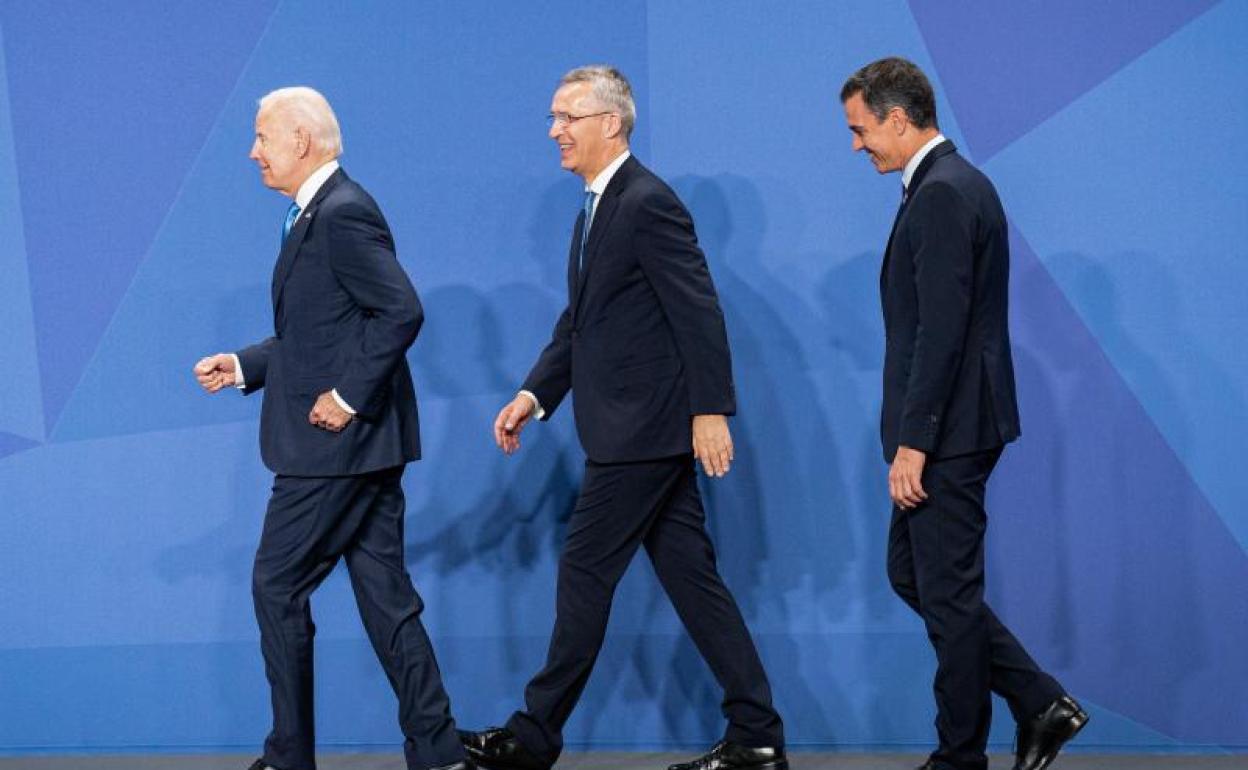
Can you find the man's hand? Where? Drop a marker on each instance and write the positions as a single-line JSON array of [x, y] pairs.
[[511, 420], [905, 478], [215, 372], [328, 415], [712, 443]]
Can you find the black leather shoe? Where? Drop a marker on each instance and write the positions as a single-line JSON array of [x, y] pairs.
[[259, 765], [1039, 739], [733, 756], [464, 765], [928, 765], [497, 748]]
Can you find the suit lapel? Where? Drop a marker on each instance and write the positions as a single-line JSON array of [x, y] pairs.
[[290, 247], [888, 250], [939, 151], [604, 211], [574, 272]]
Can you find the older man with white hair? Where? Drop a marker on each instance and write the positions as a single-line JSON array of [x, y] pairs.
[[337, 428]]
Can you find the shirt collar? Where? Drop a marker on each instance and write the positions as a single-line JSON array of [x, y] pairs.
[[311, 185], [599, 185], [917, 158]]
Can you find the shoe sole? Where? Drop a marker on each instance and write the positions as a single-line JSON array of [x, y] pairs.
[[778, 764], [491, 764]]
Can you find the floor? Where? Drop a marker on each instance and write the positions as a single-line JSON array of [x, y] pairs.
[[621, 761]]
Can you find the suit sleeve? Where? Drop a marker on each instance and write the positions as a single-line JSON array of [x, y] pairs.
[[940, 228], [551, 377], [254, 361], [667, 249], [363, 260]]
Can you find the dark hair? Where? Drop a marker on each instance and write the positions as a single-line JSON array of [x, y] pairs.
[[894, 82]]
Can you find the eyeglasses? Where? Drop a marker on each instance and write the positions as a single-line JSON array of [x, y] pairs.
[[567, 118]]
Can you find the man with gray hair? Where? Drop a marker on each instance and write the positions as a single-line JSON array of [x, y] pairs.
[[642, 344], [337, 427]]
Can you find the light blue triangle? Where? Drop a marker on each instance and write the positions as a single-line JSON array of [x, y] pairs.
[[21, 404], [1138, 214]]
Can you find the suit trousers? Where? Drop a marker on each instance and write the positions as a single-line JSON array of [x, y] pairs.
[[936, 565], [310, 524], [621, 507]]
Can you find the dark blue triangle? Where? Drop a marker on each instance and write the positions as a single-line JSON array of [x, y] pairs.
[[1006, 67], [11, 444], [1106, 553], [110, 105]]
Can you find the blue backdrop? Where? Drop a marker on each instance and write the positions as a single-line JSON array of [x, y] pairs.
[[135, 237]]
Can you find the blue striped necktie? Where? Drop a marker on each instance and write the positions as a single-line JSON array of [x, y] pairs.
[[588, 209], [292, 214]]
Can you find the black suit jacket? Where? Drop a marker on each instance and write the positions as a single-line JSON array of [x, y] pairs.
[[344, 315], [944, 286], [642, 342]]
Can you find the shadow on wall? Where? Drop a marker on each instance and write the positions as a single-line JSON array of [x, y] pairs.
[[778, 520], [504, 524], [1101, 542], [472, 355]]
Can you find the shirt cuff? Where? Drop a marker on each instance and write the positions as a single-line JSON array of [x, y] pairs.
[[239, 382], [538, 411], [345, 406]]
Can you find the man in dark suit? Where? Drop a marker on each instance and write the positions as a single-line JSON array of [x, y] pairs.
[[949, 410], [642, 344], [337, 427]]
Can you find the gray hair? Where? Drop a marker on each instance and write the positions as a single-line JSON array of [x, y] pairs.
[[894, 82], [611, 88], [311, 111]]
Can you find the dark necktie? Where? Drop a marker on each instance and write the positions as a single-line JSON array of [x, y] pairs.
[[588, 209], [292, 214]]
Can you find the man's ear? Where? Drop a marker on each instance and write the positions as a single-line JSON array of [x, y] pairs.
[[898, 120], [303, 142], [613, 126]]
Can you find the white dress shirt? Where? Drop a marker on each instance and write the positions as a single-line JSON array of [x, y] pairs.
[[913, 164], [303, 196]]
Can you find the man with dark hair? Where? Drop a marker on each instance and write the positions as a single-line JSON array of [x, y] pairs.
[[949, 410], [642, 344]]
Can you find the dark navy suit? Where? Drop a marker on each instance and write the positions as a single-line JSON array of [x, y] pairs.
[[642, 345], [344, 314], [949, 392]]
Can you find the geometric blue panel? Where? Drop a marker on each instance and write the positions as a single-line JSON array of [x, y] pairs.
[[21, 410], [131, 524], [105, 174], [10, 444], [1106, 558], [218, 232], [1149, 245], [1008, 66]]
